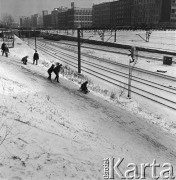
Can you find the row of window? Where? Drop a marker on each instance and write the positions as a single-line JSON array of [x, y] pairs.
[[83, 12], [143, 1], [173, 11], [83, 18]]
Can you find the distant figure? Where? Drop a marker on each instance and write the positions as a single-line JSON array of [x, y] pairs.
[[24, 60], [56, 70], [83, 87], [35, 57], [50, 70], [3, 48], [6, 50]]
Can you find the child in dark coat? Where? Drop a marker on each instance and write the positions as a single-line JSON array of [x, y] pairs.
[[57, 70], [83, 87], [35, 57], [6, 51], [50, 70], [24, 60], [3, 48]]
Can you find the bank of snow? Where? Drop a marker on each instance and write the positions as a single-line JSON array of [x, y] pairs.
[[52, 131], [165, 118]]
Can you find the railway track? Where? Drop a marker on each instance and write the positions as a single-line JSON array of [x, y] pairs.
[[153, 91], [122, 51], [108, 61]]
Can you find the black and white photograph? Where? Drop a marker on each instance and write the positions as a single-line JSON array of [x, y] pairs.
[[87, 89]]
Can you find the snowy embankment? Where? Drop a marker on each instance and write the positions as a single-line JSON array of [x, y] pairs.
[[147, 109], [52, 131]]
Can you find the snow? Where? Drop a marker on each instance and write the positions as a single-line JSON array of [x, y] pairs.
[[147, 64], [161, 40], [52, 131], [147, 109]]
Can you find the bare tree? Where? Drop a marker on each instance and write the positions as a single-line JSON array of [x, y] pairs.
[[7, 20]]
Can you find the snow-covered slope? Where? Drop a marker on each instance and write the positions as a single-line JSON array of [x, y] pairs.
[[52, 131]]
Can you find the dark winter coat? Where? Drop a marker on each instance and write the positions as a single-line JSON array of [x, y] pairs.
[[6, 49], [3, 46], [84, 86], [50, 70], [57, 69], [36, 56], [24, 60]]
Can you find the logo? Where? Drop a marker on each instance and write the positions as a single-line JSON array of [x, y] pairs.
[[134, 171]]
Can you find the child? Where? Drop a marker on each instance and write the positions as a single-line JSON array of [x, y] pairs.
[[6, 50], [50, 70], [24, 60], [83, 87], [57, 70], [35, 57]]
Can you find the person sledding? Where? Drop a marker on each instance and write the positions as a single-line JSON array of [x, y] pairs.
[[84, 88]]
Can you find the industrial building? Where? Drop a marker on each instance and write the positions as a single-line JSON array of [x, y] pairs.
[[107, 15]]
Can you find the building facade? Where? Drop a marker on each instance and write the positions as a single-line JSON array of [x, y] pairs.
[[82, 17], [63, 20], [107, 15], [173, 12], [25, 22], [54, 17], [47, 21], [101, 15], [120, 12], [154, 12], [55, 14], [168, 15], [146, 12], [34, 19], [75, 17]]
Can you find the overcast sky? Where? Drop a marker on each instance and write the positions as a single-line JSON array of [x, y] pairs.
[[19, 8]]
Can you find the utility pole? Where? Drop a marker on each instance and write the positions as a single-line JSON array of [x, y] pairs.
[[3, 35], [129, 80], [35, 41], [133, 57], [79, 51], [115, 36], [13, 37]]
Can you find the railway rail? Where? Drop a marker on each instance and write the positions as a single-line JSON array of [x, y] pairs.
[[105, 60], [153, 91], [120, 51]]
